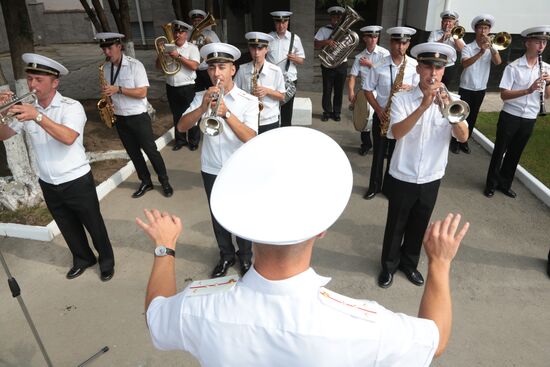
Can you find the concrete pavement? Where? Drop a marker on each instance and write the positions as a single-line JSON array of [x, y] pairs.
[[500, 290]]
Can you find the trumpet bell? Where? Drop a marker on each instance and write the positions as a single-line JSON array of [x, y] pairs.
[[457, 111], [501, 40], [458, 32], [211, 126]]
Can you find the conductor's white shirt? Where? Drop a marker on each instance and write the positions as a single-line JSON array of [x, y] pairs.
[[291, 322], [217, 149]]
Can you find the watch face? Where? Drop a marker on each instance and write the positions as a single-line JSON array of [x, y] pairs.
[[160, 251]]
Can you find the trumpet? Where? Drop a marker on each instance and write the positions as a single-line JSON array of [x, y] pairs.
[[212, 124], [5, 116], [457, 32], [500, 41], [453, 110]]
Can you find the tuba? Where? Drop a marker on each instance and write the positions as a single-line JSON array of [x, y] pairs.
[[197, 37], [212, 124], [169, 65], [105, 104], [346, 40]]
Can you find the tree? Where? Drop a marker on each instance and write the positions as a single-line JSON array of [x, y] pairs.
[[22, 189]]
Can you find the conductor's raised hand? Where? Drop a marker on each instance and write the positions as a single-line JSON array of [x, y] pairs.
[[441, 240], [163, 228]]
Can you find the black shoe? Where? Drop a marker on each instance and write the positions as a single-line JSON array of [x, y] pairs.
[[413, 276], [193, 147], [77, 271], [454, 147], [465, 148], [508, 192], [548, 268], [178, 145], [325, 116], [489, 192], [222, 267], [245, 266], [336, 117], [167, 190], [370, 194], [107, 275], [142, 189], [385, 279], [364, 149]]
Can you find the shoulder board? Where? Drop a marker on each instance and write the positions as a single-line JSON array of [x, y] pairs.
[[246, 95], [272, 67], [411, 61], [67, 100], [130, 58], [515, 62], [358, 308], [212, 286]]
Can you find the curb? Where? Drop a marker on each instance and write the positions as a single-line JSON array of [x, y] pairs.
[[48, 232], [536, 187]]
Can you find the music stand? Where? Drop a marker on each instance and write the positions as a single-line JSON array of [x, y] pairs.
[[16, 293]]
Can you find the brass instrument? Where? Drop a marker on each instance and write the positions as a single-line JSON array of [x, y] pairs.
[[212, 124], [5, 116], [500, 41], [542, 111], [254, 85], [396, 87], [197, 37], [453, 110], [457, 32], [168, 64], [346, 40], [105, 104]]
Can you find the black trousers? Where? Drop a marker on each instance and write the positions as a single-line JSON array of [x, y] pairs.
[[333, 80], [513, 133], [264, 128], [365, 139], [223, 237], [179, 99], [286, 111], [449, 76], [74, 206], [409, 209], [203, 80], [136, 133], [382, 147], [474, 98]]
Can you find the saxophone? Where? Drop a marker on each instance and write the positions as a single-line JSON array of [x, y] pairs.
[[105, 104], [397, 83], [254, 85]]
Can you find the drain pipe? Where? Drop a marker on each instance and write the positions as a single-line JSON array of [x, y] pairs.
[[140, 22], [400, 12]]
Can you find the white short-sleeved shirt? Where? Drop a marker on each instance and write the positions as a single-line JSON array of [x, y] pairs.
[[291, 322], [217, 149], [57, 162], [185, 76], [271, 77], [519, 75], [278, 51], [421, 155], [324, 34], [132, 75], [376, 57], [380, 80], [435, 36], [207, 33], [475, 76]]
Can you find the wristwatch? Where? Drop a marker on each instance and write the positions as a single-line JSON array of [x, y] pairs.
[[161, 251], [38, 118], [227, 114]]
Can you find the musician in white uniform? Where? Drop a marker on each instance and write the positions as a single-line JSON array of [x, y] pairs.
[[380, 81], [195, 17], [238, 111], [270, 84], [280, 313], [449, 19], [520, 89], [364, 62], [285, 57], [55, 127], [476, 61], [180, 87], [127, 85], [418, 164]]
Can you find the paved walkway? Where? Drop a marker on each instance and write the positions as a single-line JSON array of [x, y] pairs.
[[500, 290]]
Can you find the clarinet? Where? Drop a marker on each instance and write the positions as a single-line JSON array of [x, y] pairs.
[[542, 111]]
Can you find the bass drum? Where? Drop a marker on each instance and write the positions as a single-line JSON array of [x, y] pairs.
[[361, 112]]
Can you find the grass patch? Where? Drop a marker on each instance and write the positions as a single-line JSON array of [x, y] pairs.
[[35, 216], [535, 156]]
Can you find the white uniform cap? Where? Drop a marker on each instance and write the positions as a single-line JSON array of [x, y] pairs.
[[541, 32], [106, 39], [181, 26], [219, 52], [434, 53], [276, 196], [336, 10], [197, 13], [281, 15], [485, 19], [401, 33], [42, 64], [258, 38], [372, 29], [449, 14]]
